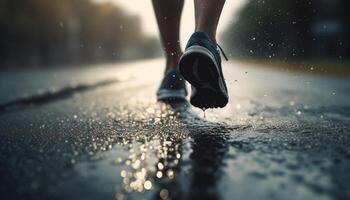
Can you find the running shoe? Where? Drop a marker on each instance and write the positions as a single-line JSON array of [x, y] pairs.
[[172, 87], [200, 65]]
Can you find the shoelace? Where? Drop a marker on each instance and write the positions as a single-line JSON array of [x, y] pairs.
[[222, 52]]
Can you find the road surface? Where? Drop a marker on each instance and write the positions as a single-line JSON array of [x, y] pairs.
[[98, 133]]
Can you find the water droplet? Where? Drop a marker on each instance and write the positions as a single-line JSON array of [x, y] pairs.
[[147, 185], [123, 173], [136, 164], [164, 193], [159, 174], [204, 116], [160, 166], [170, 173]]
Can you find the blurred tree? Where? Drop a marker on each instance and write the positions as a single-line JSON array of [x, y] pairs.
[[41, 32], [289, 29]]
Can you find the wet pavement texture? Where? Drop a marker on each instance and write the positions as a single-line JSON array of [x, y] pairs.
[[98, 133]]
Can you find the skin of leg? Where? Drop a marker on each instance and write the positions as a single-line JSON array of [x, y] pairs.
[[168, 15], [207, 15]]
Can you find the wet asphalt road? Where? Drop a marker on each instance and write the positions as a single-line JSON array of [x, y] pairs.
[[98, 133]]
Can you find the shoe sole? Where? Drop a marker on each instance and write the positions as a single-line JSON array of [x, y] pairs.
[[167, 95], [198, 66]]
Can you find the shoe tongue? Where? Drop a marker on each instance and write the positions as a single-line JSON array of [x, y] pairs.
[[200, 35]]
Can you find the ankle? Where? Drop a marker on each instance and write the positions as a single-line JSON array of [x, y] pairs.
[[211, 34], [172, 60], [171, 65]]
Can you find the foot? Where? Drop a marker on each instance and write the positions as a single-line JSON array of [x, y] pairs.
[[173, 87], [200, 65]]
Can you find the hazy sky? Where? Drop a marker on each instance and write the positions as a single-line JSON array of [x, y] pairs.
[[144, 9]]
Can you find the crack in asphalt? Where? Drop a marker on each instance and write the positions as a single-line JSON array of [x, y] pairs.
[[50, 96]]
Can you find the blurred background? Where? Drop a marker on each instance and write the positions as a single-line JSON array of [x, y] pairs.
[[42, 34]]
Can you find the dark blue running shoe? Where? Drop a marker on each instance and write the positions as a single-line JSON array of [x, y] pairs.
[[173, 87], [200, 65]]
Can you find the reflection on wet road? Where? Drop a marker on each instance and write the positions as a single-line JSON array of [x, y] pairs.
[[283, 136]]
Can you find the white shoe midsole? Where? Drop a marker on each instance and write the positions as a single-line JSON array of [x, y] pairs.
[[168, 93]]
